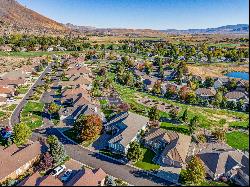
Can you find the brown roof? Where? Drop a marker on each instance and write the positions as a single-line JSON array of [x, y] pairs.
[[177, 143], [5, 90], [235, 95], [205, 92], [3, 99], [37, 180], [73, 71], [15, 157], [87, 177], [6, 81], [74, 91]]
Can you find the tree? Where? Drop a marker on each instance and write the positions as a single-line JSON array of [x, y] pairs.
[[209, 82], [53, 108], [195, 172], [173, 113], [157, 87], [184, 116], [21, 133], [46, 162], [134, 152], [56, 150], [219, 134], [153, 114], [88, 127], [194, 122]]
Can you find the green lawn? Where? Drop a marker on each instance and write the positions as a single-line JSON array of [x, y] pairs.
[[72, 135], [22, 89], [10, 107], [32, 114], [213, 183], [178, 128], [110, 154], [31, 53], [239, 124], [146, 162], [209, 117], [238, 140]]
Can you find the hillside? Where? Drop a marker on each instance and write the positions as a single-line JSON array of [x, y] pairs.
[[16, 18], [228, 29]]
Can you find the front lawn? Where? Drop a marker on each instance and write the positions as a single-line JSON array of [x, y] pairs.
[[72, 135], [10, 107], [238, 140], [146, 162], [32, 114], [213, 183], [22, 89]]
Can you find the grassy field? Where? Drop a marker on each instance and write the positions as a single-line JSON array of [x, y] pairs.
[[178, 128], [32, 114], [208, 117], [32, 53], [146, 162], [238, 140]]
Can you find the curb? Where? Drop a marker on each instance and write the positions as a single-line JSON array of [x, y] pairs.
[[148, 173]]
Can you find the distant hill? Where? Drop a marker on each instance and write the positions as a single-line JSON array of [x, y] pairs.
[[228, 29], [16, 18]]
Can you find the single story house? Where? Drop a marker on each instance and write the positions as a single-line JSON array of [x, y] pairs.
[[126, 127], [82, 177], [12, 82], [171, 147], [242, 85], [237, 96], [220, 82], [78, 71], [229, 163], [205, 93], [15, 161], [148, 82]]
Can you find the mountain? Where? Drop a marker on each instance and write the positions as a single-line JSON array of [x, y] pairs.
[[14, 17], [228, 29]]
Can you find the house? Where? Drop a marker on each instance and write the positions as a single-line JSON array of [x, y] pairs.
[[148, 82], [82, 177], [125, 127], [12, 82], [168, 86], [237, 96], [220, 82], [78, 71], [6, 92], [5, 48], [16, 74], [17, 160], [205, 93], [229, 163], [242, 85], [170, 147]]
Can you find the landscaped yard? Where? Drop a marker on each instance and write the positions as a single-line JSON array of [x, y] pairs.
[[22, 89], [213, 183], [10, 107], [146, 162], [110, 154], [72, 135], [238, 140], [32, 114]]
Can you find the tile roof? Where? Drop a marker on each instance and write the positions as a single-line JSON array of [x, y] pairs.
[[222, 161], [15, 157], [6, 90], [205, 92], [6, 81], [235, 95], [133, 124], [177, 143]]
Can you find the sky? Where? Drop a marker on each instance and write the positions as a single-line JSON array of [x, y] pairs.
[[144, 14]]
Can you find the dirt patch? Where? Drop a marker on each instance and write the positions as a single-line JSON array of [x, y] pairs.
[[215, 70]]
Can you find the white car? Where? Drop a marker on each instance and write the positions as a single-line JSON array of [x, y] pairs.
[[66, 175], [59, 169]]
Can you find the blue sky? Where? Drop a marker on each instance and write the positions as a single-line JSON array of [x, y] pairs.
[[152, 14]]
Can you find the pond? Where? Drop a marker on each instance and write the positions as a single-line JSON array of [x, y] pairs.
[[237, 74]]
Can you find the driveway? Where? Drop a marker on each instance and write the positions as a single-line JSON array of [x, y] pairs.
[[131, 175]]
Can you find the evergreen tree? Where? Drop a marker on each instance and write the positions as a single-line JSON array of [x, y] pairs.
[[134, 152], [153, 114]]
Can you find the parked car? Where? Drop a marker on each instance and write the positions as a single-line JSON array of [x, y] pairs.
[[66, 175], [59, 169]]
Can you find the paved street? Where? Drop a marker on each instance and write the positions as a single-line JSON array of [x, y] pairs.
[[15, 118], [85, 156], [133, 176]]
